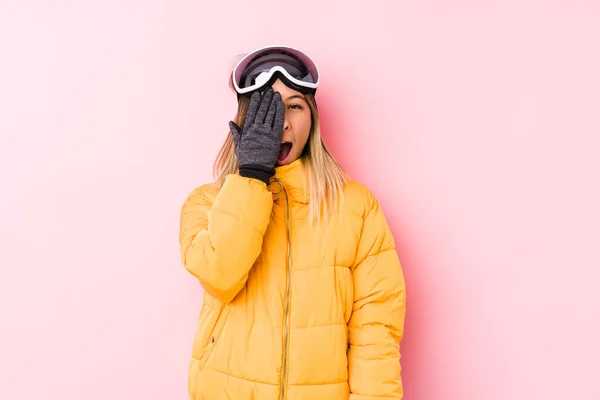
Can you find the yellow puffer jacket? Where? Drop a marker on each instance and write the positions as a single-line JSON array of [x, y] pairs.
[[290, 313]]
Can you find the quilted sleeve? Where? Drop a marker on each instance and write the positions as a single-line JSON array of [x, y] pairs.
[[220, 242], [377, 323]]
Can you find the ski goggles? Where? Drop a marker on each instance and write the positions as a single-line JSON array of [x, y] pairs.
[[264, 66]]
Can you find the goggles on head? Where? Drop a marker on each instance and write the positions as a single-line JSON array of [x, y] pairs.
[[263, 66]]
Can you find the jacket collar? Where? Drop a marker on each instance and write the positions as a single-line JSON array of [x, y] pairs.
[[294, 180]]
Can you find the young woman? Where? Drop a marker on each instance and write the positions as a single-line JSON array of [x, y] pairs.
[[304, 295]]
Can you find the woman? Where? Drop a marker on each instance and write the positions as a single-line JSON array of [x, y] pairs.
[[304, 296]]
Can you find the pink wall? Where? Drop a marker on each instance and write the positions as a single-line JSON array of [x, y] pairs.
[[476, 124]]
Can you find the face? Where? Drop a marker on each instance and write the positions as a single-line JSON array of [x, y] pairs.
[[296, 127]]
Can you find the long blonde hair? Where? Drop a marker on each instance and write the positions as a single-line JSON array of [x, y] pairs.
[[325, 177]]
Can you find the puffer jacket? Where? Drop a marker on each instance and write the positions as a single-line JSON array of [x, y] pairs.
[[289, 312]]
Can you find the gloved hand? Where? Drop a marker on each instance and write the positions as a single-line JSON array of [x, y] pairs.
[[257, 145]]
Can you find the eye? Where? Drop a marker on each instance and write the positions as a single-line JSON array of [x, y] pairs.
[[296, 106]]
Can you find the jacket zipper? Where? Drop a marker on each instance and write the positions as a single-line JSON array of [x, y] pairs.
[[286, 334]]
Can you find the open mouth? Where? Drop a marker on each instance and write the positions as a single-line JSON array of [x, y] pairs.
[[284, 151]]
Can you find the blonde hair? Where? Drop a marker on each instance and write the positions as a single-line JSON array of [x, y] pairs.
[[324, 179]]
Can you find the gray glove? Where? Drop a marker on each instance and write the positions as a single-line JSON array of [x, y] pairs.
[[257, 145]]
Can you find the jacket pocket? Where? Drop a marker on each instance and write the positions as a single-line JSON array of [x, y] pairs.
[[211, 323]]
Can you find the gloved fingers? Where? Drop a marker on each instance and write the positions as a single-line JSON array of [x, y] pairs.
[[273, 109], [236, 132], [264, 106], [252, 109]]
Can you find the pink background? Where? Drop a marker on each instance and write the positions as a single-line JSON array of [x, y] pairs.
[[476, 124]]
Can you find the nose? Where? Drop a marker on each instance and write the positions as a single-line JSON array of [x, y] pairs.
[[286, 124]]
